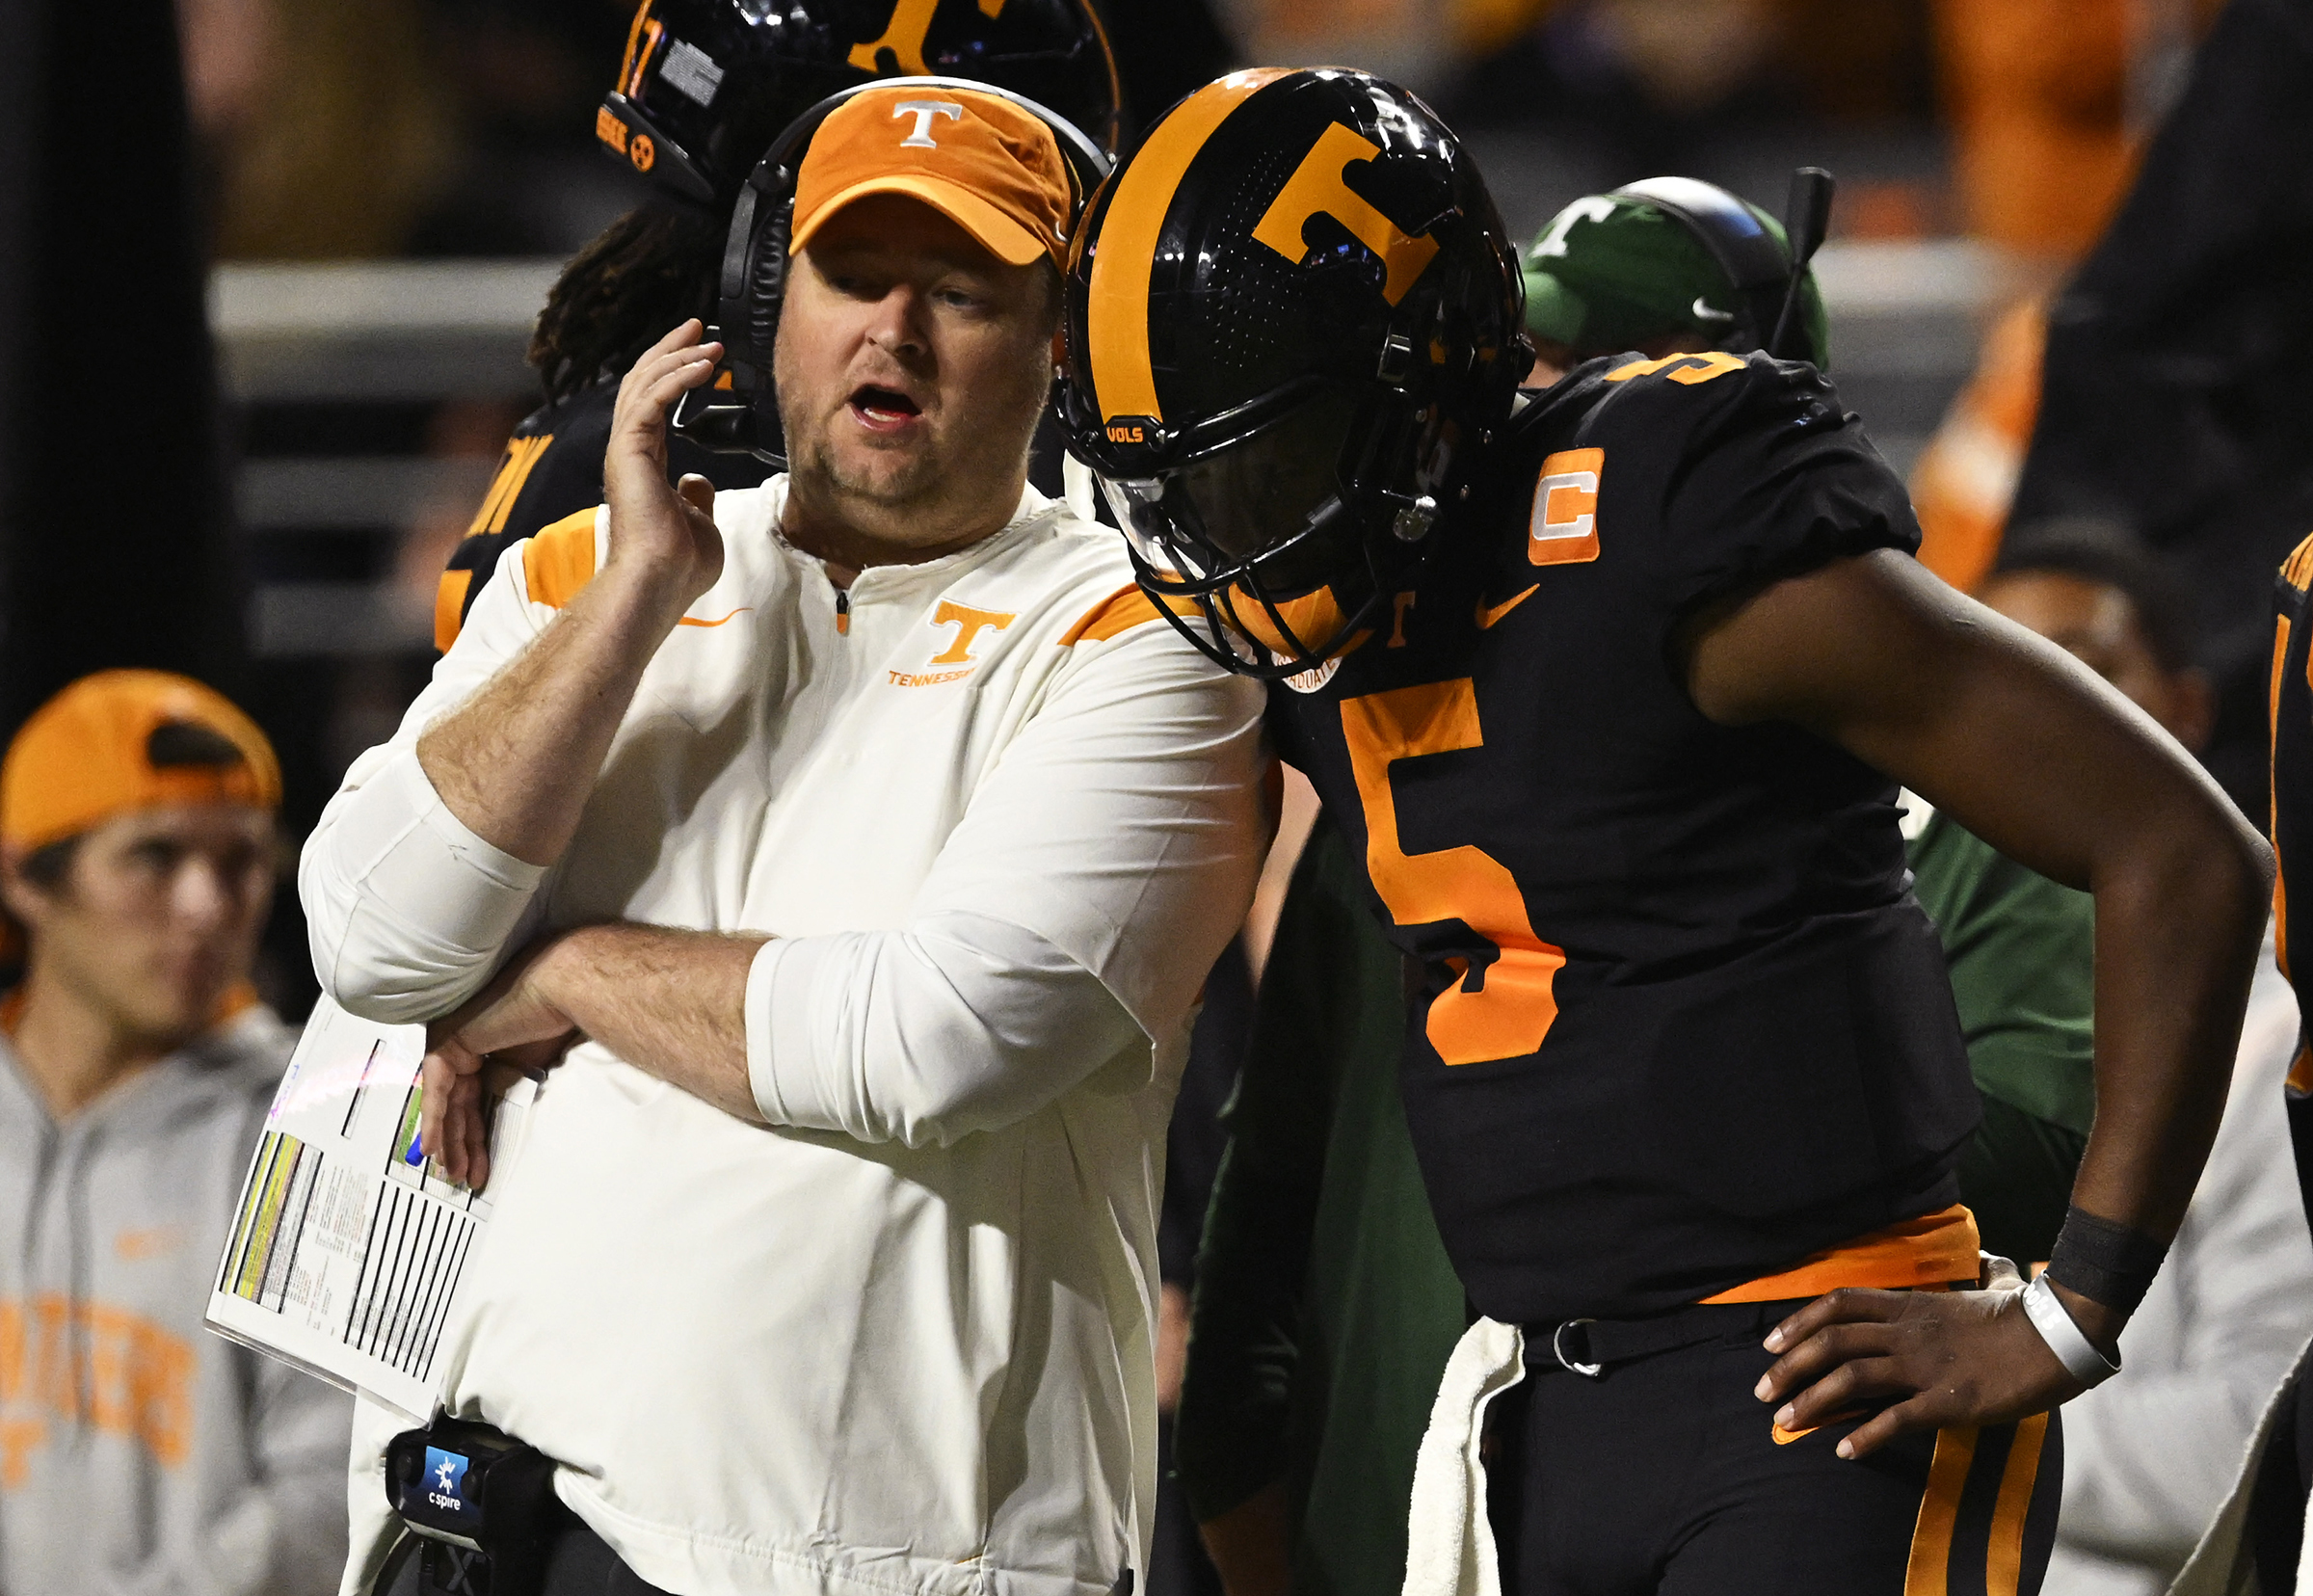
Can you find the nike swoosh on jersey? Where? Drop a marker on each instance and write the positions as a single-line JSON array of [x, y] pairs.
[[1488, 614], [687, 621]]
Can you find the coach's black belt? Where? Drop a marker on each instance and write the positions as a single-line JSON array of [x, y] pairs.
[[1591, 1347]]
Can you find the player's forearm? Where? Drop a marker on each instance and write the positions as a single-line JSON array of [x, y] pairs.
[[518, 761], [672, 1003], [2181, 886], [2048, 764], [2180, 914]]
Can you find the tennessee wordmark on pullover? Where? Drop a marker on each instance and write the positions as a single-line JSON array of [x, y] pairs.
[[1000, 821]]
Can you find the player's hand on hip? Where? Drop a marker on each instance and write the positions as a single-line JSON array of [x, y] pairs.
[[508, 1029], [664, 534], [1925, 1359]]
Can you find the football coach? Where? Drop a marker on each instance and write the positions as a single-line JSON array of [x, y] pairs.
[[864, 838]]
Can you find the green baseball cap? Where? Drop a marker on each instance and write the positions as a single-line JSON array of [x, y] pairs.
[[1613, 271]]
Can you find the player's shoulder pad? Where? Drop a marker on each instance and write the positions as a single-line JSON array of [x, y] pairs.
[[1700, 397], [547, 419], [559, 560]]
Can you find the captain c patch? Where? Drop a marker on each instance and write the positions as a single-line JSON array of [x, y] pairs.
[[1564, 527]]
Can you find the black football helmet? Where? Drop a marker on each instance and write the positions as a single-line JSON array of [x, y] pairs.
[[706, 85], [1293, 319]]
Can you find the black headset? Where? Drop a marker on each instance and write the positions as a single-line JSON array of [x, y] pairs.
[[739, 413], [1766, 275]]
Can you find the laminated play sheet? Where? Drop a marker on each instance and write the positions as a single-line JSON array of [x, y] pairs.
[[349, 1245]]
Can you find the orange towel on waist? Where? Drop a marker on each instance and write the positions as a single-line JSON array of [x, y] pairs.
[[1935, 1249]]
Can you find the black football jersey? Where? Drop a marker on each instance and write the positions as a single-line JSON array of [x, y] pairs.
[[1680, 1021], [553, 467], [2292, 720]]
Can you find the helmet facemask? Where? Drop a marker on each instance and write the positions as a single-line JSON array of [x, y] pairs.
[[1273, 552]]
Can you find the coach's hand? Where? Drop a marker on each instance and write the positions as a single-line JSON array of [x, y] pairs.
[[1938, 1357], [661, 536], [509, 1028]]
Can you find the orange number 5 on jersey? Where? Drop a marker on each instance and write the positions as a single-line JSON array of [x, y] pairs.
[[1505, 1009], [1689, 369]]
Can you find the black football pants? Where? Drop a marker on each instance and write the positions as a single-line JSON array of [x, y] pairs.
[[1662, 1475]]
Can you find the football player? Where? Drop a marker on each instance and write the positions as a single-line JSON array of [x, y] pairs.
[[704, 87], [1611, 693], [2282, 1456], [1325, 1307]]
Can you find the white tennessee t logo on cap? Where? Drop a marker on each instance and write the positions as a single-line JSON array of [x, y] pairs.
[[923, 112]]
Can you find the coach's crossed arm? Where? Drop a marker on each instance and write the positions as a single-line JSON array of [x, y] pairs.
[[1069, 920]]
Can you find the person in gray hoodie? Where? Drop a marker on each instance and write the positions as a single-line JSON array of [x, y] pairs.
[[139, 1453]]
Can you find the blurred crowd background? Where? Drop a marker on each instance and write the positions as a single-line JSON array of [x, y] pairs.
[[268, 268], [370, 200]]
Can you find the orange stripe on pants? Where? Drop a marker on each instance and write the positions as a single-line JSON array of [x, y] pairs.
[[2003, 1560], [1939, 1512]]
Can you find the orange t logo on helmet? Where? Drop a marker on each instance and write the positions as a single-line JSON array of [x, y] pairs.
[[904, 34], [1319, 185]]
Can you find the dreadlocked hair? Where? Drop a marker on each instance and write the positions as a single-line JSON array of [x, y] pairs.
[[624, 292]]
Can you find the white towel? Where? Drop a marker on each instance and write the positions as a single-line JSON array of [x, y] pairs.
[[2224, 1563], [1449, 1542]]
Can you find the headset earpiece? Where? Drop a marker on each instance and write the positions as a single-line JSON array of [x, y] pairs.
[[742, 418], [767, 282]]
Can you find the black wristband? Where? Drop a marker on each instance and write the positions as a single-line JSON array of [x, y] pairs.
[[2103, 1261]]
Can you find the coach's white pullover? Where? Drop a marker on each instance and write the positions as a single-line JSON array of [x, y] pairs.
[[1001, 820]]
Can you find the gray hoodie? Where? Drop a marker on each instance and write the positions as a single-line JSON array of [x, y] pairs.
[[139, 1452]]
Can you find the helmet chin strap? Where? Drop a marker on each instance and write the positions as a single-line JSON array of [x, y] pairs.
[[1412, 512], [1415, 515]]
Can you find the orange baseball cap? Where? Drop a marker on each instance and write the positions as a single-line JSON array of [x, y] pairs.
[[99, 749], [982, 162]]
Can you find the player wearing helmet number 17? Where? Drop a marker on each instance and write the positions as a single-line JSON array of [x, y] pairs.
[[703, 87], [1612, 690]]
